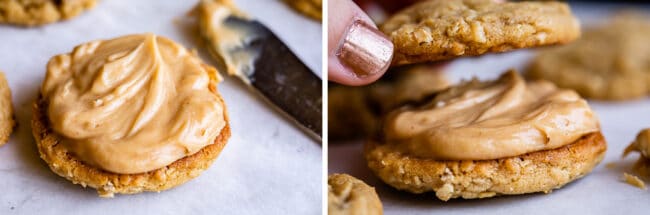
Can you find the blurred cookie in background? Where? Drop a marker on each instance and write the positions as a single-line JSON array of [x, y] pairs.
[[311, 8], [355, 112], [610, 61]]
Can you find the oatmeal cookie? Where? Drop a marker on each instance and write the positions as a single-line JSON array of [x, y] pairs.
[[540, 171], [348, 195], [39, 12], [480, 139], [443, 29], [145, 115], [65, 164], [604, 63]]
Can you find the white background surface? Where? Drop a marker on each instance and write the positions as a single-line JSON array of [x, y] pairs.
[[600, 192], [267, 167]]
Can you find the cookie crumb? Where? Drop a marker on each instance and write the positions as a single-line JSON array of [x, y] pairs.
[[610, 165], [633, 180]]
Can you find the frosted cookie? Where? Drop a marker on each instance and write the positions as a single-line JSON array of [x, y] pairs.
[[604, 63], [483, 139], [39, 12], [311, 8], [436, 30], [348, 195], [361, 108], [131, 114], [7, 122]]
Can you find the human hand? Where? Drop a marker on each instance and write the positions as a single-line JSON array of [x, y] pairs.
[[358, 53]]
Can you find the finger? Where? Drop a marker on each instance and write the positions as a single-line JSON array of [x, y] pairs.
[[358, 53]]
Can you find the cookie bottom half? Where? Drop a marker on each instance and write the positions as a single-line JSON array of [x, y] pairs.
[[66, 165], [540, 171]]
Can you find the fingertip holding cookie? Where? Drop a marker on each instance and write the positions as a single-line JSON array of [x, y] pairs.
[[358, 53]]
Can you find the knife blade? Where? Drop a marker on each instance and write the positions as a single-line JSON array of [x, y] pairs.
[[253, 53]]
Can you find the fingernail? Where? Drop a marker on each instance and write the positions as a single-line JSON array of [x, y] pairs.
[[365, 50]]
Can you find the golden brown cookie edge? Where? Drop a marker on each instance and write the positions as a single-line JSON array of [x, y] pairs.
[[540, 171], [106, 183], [7, 122]]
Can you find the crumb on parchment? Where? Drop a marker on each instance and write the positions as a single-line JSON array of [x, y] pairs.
[[634, 180]]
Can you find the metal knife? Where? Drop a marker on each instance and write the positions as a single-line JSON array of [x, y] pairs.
[[250, 51]]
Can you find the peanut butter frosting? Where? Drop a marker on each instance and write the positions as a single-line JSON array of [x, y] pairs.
[[226, 39], [491, 120], [132, 104]]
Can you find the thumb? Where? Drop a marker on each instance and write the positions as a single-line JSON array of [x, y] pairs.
[[358, 53]]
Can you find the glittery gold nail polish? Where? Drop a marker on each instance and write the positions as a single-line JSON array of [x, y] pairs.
[[365, 50]]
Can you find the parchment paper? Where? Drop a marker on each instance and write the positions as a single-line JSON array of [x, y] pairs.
[[601, 192], [267, 167]]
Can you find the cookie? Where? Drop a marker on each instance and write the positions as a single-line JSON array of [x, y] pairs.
[[66, 165], [39, 12], [112, 133], [310, 8], [481, 139], [7, 122], [436, 30], [361, 108], [348, 195], [540, 171], [604, 63]]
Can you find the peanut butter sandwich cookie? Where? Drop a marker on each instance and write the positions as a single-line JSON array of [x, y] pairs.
[[310, 8], [641, 145], [361, 108], [483, 139], [131, 114], [436, 30], [7, 122], [39, 12], [348, 195], [604, 63]]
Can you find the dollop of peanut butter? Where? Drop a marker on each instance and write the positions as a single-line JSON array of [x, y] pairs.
[[491, 120], [132, 104]]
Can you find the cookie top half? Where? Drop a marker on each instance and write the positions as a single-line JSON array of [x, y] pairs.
[[443, 29]]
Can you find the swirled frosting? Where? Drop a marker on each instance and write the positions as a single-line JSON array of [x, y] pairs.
[[490, 120], [132, 104]]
